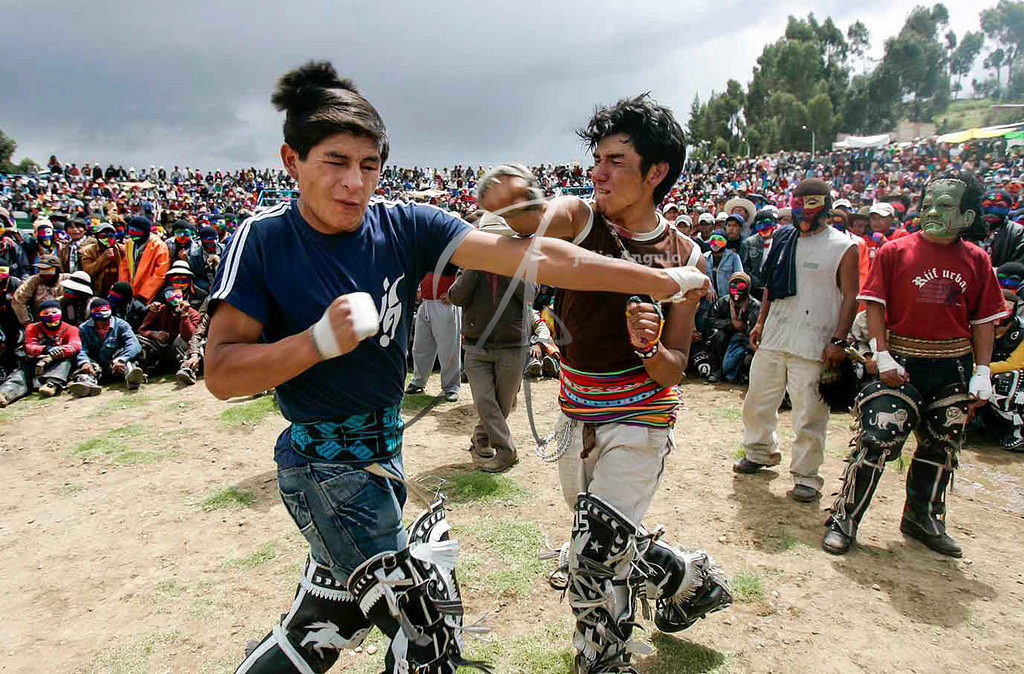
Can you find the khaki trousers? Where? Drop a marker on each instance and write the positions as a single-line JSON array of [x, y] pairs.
[[771, 374], [623, 468]]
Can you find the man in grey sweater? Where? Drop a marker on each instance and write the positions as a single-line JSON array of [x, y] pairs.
[[496, 338]]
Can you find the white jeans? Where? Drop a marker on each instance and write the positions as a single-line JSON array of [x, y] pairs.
[[771, 373], [624, 468]]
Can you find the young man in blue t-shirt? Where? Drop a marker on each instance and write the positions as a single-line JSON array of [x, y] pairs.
[[314, 298]]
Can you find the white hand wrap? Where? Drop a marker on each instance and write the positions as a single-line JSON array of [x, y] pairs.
[[364, 321], [688, 279], [886, 363], [981, 383]]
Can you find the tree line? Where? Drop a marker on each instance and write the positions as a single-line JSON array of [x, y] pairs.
[[816, 80]]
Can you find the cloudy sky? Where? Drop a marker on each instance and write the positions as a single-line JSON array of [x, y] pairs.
[[188, 83]]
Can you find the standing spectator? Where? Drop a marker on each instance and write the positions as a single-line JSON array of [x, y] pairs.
[[734, 226], [44, 285], [810, 301], [437, 335], [145, 261], [494, 360], [1005, 241], [70, 254], [755, 248], [102, 257], [206, 259], [883, 221], [109, 350], [722, 264]]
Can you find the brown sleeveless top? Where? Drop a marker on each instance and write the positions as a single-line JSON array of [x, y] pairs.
[[591, 326]]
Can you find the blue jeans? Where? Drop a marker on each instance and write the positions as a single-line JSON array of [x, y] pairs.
[[346, 514], [734, 354]]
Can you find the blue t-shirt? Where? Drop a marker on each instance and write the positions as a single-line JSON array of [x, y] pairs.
[[282, 272]]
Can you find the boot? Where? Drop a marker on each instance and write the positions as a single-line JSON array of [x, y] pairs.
[[134, 377], [48, 390], [859, 483], [502, 461], [185, 376], [550, 367], [534, 368], [83, 387], [924, 513], [1012, 441]]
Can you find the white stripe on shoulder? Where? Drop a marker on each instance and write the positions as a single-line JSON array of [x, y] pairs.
[[234, 255], [585, 232]]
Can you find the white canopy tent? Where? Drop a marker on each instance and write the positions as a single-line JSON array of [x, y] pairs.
[[861, 142]]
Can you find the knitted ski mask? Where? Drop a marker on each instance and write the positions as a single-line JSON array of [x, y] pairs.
[[50, 315], [138, 228]]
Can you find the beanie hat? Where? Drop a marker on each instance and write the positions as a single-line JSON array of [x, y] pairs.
[[48, 304], [123, 288], [98, 302]]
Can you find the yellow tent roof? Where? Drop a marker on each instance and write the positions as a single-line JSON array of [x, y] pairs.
[[976, 133]]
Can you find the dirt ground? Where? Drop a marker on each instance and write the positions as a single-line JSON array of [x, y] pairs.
[[143, 533]]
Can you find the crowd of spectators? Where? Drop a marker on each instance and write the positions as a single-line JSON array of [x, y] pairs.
[[104, 271]]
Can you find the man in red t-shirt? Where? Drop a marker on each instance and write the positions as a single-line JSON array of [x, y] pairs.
[[933, 299]]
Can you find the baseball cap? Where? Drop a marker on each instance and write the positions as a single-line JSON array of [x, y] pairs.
[[706, 217], [843, 203], [882, 208]]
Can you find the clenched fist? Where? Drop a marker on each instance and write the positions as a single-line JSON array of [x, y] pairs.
[[643, 323], [347, 321]]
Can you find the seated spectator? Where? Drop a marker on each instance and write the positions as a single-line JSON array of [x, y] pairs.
[[43, 286], [70, 254], [722, 264], [734, 226], [165, 333], [109, 351], [12, 252], [51, 347], [9, 322], [180, 276], [700, 360], [205, 262], [732, 318], [1005, 411], [126, 307], [146, 259], [74, 302]]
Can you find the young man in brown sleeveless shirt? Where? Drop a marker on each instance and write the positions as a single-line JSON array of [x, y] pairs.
[[622, 358]]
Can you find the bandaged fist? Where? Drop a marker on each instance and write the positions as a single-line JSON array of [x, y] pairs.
[[691, 282], [347, 321], [981, 383], [643, 323]]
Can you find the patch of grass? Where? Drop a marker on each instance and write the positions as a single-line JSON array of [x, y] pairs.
[[739, 453], [131, 657], [228, 497], [248, 414], [7, 417], [545, 651], [125, 401], [480, 487], [411, 404], [728, 413], [510, 565], [679, 656], [121, 445], [258, 557], [748, 586], [181, 406], [169, 588], [785, 542]]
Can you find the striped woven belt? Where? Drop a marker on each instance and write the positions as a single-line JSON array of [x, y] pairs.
[[911, 347], [628, 397]]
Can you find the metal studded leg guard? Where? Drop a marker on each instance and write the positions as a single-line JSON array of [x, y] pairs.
[[886, 417], [604, 580], [418, 589], [324, 619], [1006, 409], [686, 586], [931, 469]]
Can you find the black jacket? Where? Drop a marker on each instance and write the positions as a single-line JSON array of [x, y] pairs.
[[752, 256], [779, 271], [1008, 245], [721, 316]]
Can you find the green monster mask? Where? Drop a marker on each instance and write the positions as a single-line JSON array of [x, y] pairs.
[[941, 217]]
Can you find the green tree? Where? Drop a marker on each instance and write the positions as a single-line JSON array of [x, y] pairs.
[[915, 61], [995, 61], [961, 62], [1004, 25], [7, 147]]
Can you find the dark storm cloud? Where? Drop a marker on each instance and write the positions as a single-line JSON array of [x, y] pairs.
[[176, 83]]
